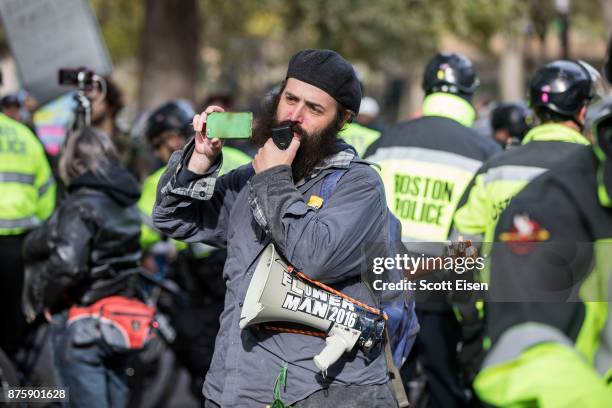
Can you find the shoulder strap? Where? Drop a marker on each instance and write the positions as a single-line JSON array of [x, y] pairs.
[[329, 183]]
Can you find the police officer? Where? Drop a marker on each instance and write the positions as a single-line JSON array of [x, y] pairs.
[[559, 93], [510, 122], [553, 348], [27, 198], [11, 107], [199, 267], [166, 130], [426, 164], [362, 134]]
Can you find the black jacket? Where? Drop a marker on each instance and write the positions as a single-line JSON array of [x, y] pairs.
[[437, 133], [89, 248]]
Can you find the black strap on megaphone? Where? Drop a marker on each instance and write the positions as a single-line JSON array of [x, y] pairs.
[[370, 309]]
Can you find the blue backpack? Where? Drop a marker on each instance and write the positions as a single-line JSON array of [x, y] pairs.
[[402, 325]]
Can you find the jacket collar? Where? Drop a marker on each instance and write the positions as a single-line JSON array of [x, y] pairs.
[[554, 132], [450, 106]]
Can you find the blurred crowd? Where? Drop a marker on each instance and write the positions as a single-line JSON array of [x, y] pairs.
[[102, 185]]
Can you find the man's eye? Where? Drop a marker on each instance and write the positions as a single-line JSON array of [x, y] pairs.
[[291, 99]]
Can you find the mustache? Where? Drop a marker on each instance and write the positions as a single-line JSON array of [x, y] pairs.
[[295, 127]]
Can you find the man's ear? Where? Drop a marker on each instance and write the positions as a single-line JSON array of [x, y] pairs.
[[582, 114], [348, 115]]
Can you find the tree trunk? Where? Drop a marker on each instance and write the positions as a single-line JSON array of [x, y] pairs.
[[606, 8], [169, 52], [411, 99], [511, 69]]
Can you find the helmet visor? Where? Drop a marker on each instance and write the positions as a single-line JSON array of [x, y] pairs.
[[599, 87]]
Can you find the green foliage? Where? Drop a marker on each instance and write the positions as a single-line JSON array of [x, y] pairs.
[[121, 23], [243, 39], [477, 21], [365, 30], [584, 18], [369, 31]]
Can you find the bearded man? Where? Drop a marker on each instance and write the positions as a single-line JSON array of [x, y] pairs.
[[277, 199]]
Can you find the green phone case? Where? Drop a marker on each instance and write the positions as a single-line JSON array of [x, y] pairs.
[[229, 125]]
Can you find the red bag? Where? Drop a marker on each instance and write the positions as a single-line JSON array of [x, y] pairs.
[[124, 324]]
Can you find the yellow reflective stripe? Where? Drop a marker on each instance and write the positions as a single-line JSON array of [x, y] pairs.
[[14, 177], [512, 173], [517, 339], [427, 156], [20, 223]]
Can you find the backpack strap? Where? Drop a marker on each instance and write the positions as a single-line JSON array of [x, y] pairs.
[[403, 320], [329, 183]]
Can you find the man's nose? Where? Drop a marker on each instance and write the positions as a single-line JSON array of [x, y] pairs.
[[296, 115]]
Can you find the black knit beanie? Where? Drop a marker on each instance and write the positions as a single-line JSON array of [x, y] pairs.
[[327, 70]]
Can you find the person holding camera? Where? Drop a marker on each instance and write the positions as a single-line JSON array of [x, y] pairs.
[[82, 273], [277, 198]]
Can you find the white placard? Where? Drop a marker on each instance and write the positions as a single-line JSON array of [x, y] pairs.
[[46, 35]]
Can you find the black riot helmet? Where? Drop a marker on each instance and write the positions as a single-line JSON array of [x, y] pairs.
[[174, 115], [602, 128], [451, 73], [560, 89], [515, 117]]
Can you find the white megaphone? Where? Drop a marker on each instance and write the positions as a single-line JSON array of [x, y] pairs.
[[279, 294]]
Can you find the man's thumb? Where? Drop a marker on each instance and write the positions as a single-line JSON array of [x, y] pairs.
[[294, 145]]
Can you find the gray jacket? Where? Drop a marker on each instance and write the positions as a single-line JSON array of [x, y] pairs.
[[243, 212]]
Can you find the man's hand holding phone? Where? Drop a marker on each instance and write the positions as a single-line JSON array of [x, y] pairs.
[[206, 150]]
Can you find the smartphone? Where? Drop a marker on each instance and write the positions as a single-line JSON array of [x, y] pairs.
[[229, 125]]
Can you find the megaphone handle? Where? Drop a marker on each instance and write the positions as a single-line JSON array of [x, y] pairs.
[[333, 350]]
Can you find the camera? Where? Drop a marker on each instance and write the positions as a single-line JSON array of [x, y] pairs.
[[85, 80], [82, 78]]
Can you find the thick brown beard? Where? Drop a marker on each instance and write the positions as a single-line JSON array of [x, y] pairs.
[[313, 147]]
